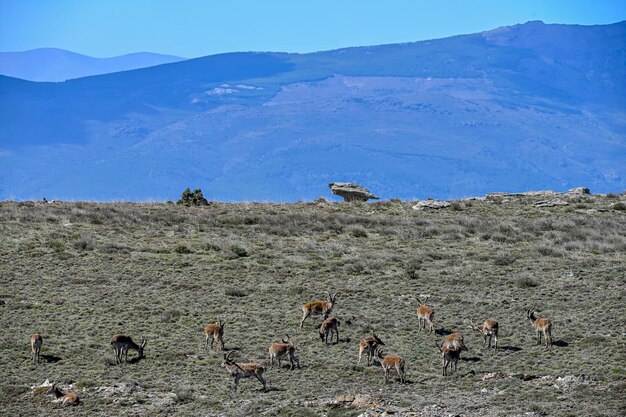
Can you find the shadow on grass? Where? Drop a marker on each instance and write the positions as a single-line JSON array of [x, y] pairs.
[[136, 359], [271, 389], [50, 358], [560, 343], [510, 348], [443, 332], [471, 359]]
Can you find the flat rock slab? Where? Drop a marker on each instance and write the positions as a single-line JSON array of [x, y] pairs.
[[351, 191], [431, 204], [551, 203]]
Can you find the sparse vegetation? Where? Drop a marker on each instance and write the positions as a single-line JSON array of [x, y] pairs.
[[121, 268]]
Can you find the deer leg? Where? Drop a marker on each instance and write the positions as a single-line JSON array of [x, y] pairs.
[[360, 353], [538, 337], [237, 378], [262, 381], [304, 316], [495, 347], [337, 333]]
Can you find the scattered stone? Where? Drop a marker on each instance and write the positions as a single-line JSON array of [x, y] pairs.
[[351, 192], [366, 401], [493, 375], [579, 190], [432, 204], [551, 203]]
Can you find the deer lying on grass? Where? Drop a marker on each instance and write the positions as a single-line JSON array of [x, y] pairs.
[[327, 328], [489, 329], [282, 349], [454, 341], [36, 340], [244, 370], [541, 326], [369, 344], [425, 314], [388, 361], [215, 331], [448, 356], [121, 343], [318, 307], [65, 398]]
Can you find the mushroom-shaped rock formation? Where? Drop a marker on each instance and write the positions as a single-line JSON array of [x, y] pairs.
[[351, 192]]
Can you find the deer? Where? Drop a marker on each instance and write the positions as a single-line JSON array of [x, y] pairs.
[[36, 340], [244, 370], [281, 349], [449, 356], [391, 361], [327, 328], [318, 307], [454, 341], [425, 314], [489, 329], [216, 332], [65, 398], [541, 326], [121, 343], [369, 344]]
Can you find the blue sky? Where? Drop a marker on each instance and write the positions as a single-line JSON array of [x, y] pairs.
[[192, 28]]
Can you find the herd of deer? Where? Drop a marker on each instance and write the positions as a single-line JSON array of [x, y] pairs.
[[450, 348]]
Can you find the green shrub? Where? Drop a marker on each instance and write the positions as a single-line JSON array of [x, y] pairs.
[[182, 249], [358, 232], [193, 199], [239, 251]]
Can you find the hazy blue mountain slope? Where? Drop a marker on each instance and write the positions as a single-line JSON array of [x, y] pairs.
[[52, 64], [502, 110]]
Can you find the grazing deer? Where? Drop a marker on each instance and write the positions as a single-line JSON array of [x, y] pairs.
[[318, 307], [281, 349], [369, 344], [541, 326], [454, 341], [65, 398], [215, 331], [489, 329], [448, 357], [121, 343], [36, 340], [244, 370], [425, 314], [327, 328], [388, 361]]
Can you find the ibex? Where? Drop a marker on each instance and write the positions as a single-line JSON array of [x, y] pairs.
[[65, 398], [244, 370], [454, 341], [541, 325], [318, 307], [281, 349], [388, 361], [425, 314], [215, 331], [489, 329], [36, 340], [327, 328], [369, 344], [121, 343], [448, 357]]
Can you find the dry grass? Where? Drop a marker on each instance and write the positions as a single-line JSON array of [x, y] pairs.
[[80, 272]]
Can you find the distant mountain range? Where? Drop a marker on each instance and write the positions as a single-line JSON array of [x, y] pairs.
[[51, 64], [526, 107]]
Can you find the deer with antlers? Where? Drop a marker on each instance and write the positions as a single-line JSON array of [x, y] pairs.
[[425, 314], [215, 332], [36, 340], [391, 361], [489, 329], [328, 327], [244, 370], [369, 344], [541, 326], [318, 307], [449, 355], [64, 398], [120, 343], [454, 341], [282, 349]]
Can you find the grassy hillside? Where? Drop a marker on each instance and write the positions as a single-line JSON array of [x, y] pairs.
[[81, 272]]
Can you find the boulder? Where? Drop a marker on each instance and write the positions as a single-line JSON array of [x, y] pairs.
[[351, 192], [431, 204], [579, 190], [551, 203]]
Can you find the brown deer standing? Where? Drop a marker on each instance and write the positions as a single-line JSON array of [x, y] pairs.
[[449, 356], [489, 329], [388, 361], [454, 341], [425, 314], [282, 349], [215, 332], [327, 328], [318, 307], [541, 326], [36, 340], [121, 343], [244, 370], [369, 344]]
